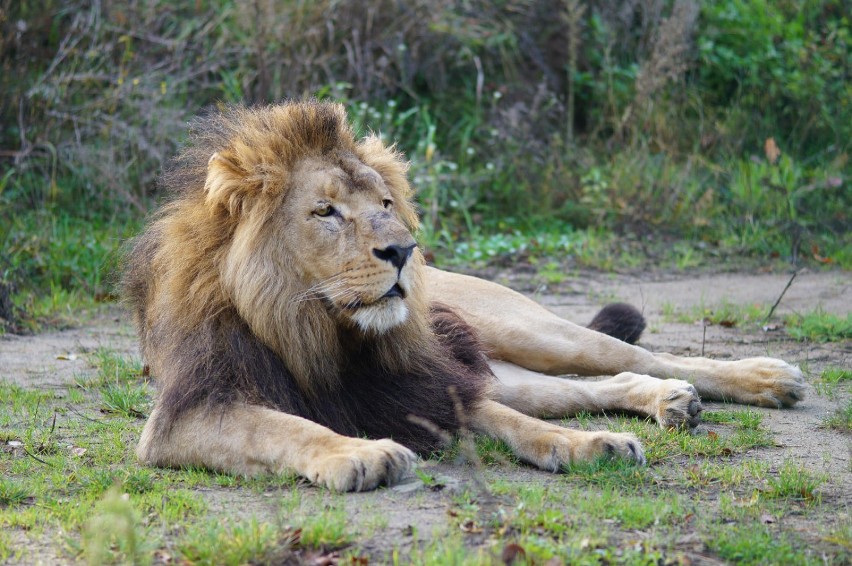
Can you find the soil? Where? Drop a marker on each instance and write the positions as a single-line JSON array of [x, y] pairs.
[[412, 512]]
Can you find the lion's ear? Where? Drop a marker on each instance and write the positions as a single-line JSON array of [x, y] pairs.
[[226, 184]]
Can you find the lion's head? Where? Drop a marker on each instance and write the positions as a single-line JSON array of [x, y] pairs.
[[306, 233]]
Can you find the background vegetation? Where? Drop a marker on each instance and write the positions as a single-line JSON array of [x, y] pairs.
[[534, 126]]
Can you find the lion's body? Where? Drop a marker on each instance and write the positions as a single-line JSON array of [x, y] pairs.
[[285, 310]]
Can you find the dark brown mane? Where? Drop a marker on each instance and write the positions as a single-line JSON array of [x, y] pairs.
[[225, 363]]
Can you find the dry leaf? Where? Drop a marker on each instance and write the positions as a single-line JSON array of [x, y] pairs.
[[470, 527], [712, 435], [770, 148], [77, 451], [513, 552], [819, 258]]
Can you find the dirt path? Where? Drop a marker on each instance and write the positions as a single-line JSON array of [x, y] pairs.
[[412, 514]]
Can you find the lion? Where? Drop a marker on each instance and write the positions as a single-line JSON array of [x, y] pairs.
[[283, 305]]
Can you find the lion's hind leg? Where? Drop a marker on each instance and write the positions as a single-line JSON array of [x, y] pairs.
[[548, 446], [251, 440], [671, 402]]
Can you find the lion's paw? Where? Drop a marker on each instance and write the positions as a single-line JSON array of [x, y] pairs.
[[553, 449], [768, 382], [361, 465], [678, 404]]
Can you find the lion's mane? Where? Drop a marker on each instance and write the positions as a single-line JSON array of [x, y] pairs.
[[212, 344]]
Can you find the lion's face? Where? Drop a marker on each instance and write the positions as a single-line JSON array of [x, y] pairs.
[[335, 237], [351, 249]]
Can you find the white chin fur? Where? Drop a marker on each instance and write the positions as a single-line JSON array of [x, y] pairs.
[[381, 318]]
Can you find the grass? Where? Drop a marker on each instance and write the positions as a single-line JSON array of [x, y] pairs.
[[243, 542], [755, 544], [842, 418], [820, 326], [794, 482], [815, 326], [832, 380], [725, 314], [74, 472]]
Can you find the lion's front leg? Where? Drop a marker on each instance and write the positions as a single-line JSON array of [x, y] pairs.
[[547, 446], [251, 440], [671, 402]]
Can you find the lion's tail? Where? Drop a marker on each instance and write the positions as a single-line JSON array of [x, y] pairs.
[[621, 321]]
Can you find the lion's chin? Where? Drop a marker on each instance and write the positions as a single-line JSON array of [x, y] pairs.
[[381, 317]]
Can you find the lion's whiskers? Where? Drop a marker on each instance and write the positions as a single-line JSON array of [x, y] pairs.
[[320, 289]]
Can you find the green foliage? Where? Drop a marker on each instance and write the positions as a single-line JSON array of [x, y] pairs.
[[111, 535], [753, 544], [782, 64], [820, 326], [240, 542], [842, 418], [836, 375], [12, 493], [672, 105], [794, 482]]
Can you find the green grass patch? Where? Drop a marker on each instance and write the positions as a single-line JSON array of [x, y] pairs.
[[820, 326], [794, 482], [831, 379], [61, 261], [755, 544], [725, 314], [477, 449], [842, 418], [327, 528], [836, 375], [242, 542], [661, 445], [12, 494]]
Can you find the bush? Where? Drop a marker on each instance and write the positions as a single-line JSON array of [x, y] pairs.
[[631, 116]]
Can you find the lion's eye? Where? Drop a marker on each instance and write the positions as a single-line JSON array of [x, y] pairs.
[[324, 210], [387, 203]]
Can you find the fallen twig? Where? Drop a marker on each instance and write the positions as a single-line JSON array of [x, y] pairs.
[[781, 296]]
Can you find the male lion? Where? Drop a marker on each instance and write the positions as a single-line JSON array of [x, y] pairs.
[[286, 310]]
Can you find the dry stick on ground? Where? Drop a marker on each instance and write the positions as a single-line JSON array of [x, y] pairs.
[[781, 296]]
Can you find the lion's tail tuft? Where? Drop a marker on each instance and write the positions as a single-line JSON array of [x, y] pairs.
[[621, 321]]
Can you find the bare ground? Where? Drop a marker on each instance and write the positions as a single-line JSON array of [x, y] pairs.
[[413, 514]]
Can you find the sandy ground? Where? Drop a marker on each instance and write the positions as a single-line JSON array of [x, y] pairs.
[[403, 514]]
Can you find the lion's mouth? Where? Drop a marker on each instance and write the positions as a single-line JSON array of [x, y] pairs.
[[395, 291]]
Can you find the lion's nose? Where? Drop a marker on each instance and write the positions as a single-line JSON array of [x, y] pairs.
[[397, 255]]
